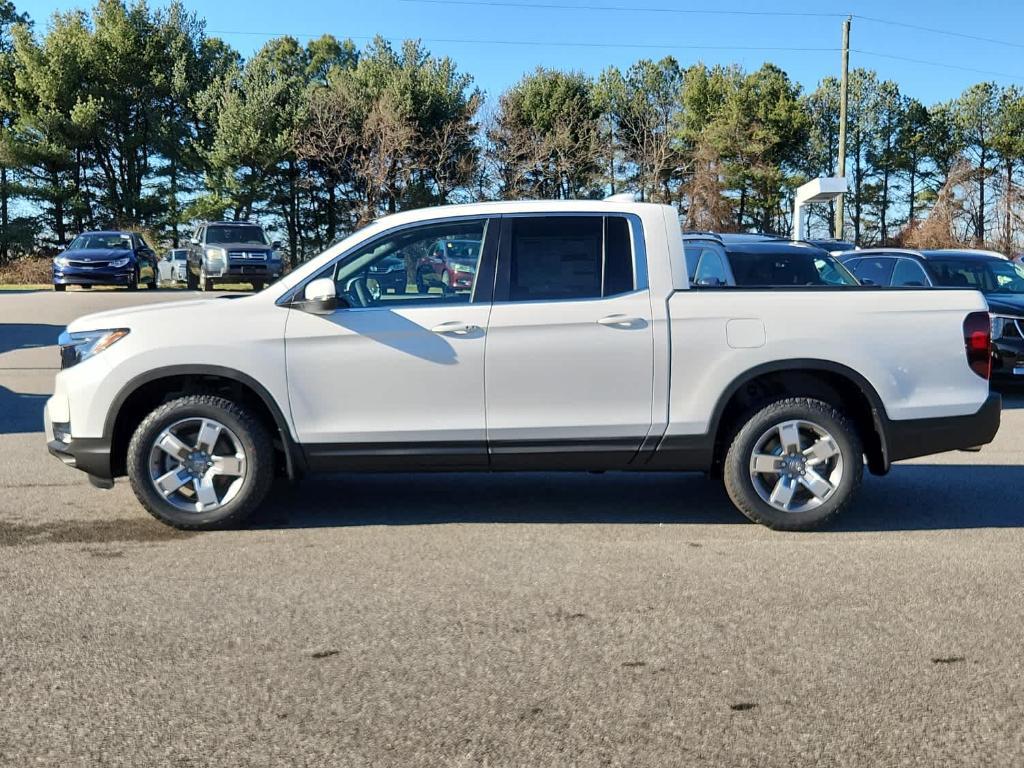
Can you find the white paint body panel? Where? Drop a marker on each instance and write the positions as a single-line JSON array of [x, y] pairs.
[[535, 371]]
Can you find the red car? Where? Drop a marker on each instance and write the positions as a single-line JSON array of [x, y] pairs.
[[450, 264]]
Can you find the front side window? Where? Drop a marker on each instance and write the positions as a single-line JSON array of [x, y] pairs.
[[430, 264], [874, 270], [711, 270], [569, 257], [908, 274]]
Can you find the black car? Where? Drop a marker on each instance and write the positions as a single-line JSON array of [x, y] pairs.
[[998, 278], [715, 261], [106, 258]]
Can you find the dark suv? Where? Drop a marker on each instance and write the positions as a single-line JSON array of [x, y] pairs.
[[105, 258], [232, 252], [998, 278]]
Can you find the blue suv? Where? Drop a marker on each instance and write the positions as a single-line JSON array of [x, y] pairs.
[[106, 258]]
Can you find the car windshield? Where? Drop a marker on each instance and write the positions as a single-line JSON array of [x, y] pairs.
[[995, 276], [179, 255], [768, 268], [235, 233], [101, 240], [463, 251]]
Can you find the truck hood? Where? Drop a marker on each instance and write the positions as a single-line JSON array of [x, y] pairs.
[[150, 313]]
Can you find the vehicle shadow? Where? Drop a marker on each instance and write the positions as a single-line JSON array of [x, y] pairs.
[[913, 497], [27, 336], [20, 412], [393, 330]]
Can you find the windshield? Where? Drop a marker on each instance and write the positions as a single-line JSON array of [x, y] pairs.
[[766, 269], [179, 255], [100, 241], [463, 251], [235, 233], [995, 276]]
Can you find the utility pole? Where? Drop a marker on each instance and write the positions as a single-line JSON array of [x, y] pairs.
[[837, 228]]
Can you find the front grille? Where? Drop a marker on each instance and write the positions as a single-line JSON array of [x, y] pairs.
[[79, 264], [248, 255]]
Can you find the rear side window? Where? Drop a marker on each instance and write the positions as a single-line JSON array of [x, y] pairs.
[[569, 257], [874, 271]]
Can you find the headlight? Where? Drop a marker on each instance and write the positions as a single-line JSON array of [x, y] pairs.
[[119, 262], [61, 261], [1005, 327], [81, 345], [216, 253]]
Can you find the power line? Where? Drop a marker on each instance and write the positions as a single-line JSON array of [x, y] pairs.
[[937, 64], [628, 8], [933, 30], [718, 12], [554, 43]]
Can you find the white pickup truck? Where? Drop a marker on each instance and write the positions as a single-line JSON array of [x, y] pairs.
[[527, 336]]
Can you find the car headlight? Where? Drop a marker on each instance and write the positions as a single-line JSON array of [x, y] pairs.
[[61, 261], [120, 262], [1004, 327], [81, 345], [216, 253]]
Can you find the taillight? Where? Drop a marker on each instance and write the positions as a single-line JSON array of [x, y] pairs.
[[978, 342]]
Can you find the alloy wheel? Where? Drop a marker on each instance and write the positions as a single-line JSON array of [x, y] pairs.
[[197, 464], [796, 466]]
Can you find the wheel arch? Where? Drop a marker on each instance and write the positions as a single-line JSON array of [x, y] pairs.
[[144, 392], [835, 382]]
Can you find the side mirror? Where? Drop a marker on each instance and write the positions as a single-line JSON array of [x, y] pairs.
[[194, 241], [276, 245], [320, 297], [710, 282], [867, 281]]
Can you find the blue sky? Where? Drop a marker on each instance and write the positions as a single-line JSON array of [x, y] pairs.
[[497, 43]]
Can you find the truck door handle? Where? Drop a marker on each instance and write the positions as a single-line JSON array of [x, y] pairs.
[[620, 320], [456, 328]]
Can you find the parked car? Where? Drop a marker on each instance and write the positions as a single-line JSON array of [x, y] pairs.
[[105, 258], [173, 268], [450, 264], [389, 274], [232, 252], [581, 346], [717, 261], [999, 279]]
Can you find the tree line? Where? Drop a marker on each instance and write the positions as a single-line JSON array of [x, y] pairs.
[[131, 116]]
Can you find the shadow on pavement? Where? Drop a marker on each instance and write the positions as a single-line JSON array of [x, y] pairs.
[[912, 497], [27, 336], [20, 413]]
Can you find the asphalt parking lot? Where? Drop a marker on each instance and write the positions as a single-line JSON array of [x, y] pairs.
[[520, 620]]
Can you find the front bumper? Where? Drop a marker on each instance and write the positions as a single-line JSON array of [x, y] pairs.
[[1008, 359], [246, 273], [90, 455], [81, 276], [908, 439]]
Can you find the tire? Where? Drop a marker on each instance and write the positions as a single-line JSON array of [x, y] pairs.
[[421, 283], [154, 284], [237, 496], [59, 288], [763, 496], [205, 283], [191, 282], [133, 281], [257, 286], [400, 290]]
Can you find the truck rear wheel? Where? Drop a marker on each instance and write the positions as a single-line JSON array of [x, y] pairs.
[[200, 462], [794, 465]]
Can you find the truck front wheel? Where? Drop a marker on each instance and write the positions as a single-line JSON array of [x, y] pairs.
[[200, 462], [794, 465]]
